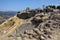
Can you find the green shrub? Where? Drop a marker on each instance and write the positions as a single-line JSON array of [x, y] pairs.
[[58, 7], [51, 6]]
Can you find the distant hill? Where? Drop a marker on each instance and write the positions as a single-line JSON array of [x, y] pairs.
[[3, 13]]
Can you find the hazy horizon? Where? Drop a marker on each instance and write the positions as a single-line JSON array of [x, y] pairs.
[[18, 5]]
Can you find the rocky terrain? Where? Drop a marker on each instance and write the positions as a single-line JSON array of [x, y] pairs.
[[38, 24]]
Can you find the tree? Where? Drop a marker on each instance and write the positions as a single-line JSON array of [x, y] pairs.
[[51, 6], [58, 7]]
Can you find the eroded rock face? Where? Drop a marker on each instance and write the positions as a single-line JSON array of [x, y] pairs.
[[36, 21], [23, 15]]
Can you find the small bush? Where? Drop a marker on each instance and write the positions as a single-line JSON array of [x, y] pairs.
[[58, 7], [51, 6]]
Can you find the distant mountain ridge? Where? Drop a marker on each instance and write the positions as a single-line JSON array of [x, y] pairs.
[[3, 13]]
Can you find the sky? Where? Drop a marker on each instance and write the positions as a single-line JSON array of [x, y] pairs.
[[17, 5]]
